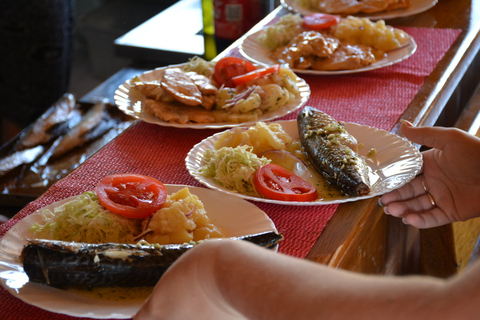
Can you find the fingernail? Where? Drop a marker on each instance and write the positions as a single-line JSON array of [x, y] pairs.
[[406, 122], [404, 220], [385, 210], [380, 202]]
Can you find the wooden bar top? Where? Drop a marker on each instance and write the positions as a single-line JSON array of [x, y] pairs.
[[359, 236]]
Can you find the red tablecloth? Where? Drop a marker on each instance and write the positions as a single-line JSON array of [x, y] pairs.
[[375, 98]]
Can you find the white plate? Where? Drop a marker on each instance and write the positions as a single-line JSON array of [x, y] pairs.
[[130, 102], [417, 6], [242, 218], [396, 162], [255, 52]]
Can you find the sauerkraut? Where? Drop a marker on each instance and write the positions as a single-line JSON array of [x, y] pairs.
[[280, 33], [233, 168], [84, 219]]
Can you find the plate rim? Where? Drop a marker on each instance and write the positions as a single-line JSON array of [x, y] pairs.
[[398, 13], [123, 100], [193, 157], [14, 265], [411, 46]]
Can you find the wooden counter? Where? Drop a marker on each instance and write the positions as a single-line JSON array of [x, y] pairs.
[[359, 236]]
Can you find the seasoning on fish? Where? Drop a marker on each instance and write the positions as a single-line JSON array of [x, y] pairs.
[[72, 264], [333, 152], [40, 133]]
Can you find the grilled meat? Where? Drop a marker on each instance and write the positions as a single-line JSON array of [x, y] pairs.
[[72, 264], [333, 152], [41, 130]]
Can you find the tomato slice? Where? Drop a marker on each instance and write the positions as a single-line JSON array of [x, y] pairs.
[[131, 195], [255, 74], [277, 183], [229, 67], [319, 21]]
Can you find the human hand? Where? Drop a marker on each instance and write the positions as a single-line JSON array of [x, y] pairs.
[[451, 175]]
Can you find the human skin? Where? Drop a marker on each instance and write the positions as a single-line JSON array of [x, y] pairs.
[[451, 170], [225, 279]]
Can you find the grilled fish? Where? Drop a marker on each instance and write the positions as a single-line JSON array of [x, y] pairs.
[[72, 264], [333, 152], [77, 135], [19, 158], [40, 132]]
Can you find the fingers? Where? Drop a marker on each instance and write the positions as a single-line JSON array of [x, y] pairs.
[[433, 137], [409, 191]]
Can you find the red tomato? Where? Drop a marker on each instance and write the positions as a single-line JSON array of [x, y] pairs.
[[229, 67], [131, 195], [255, 74], [319, 21], [277, 183]]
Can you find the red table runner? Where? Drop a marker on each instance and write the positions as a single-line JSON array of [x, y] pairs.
[[376, 98]]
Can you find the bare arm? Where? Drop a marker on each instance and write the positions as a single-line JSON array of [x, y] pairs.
[[238, 280]]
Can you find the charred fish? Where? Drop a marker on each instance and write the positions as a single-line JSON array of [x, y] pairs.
[[333, 152], [83, 265]]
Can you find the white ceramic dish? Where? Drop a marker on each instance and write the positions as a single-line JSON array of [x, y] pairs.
[[417, 6], [130, 102], [241, 218], [396, 162], [255, 52]]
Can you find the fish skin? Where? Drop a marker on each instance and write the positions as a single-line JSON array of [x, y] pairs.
[[19, 158], [76, 136], [72, 264], [329, 158], [39, 132]]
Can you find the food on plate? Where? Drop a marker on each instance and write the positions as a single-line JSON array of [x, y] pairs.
[[182, 218], [85, 219], [261, 137], [351, 7], [71, 264], [324, 42], [333, 152], [233, 168], [131, 195], [229, 90], [241, 154], [82, 244], [276, 182]]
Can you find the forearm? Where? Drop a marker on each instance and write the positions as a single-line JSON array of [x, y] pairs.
[[272, 286], [229, 280]]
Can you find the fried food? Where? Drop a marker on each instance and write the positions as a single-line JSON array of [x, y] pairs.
[[352, 7]]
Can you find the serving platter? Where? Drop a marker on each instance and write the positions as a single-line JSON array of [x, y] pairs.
[[129, 101], [395, 163], [242, 218], [252, 50], [417, 6]]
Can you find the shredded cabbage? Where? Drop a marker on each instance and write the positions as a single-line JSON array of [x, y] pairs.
[[233, 168], [84, 219], [280, 33], [200, 66]]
